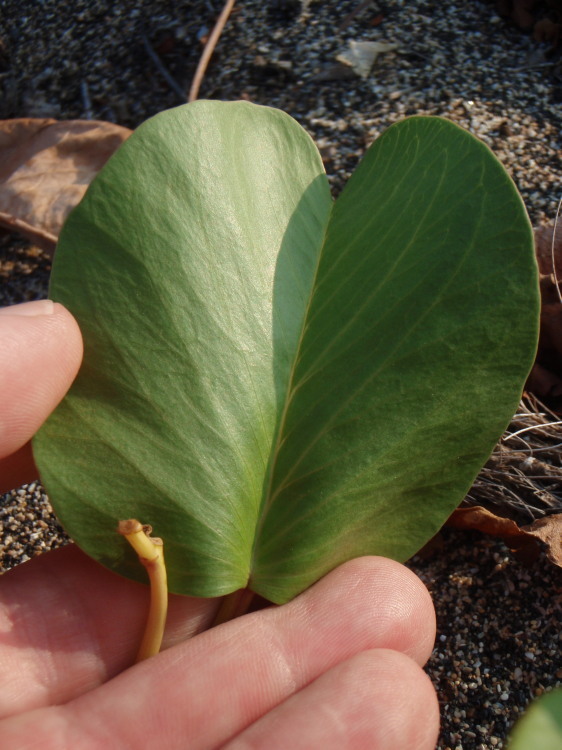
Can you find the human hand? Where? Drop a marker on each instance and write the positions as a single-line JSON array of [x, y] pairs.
[[338, 667]]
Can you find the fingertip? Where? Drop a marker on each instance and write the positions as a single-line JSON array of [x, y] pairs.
[[42, 351], [405, 698], [413, 612], [376, 700], [382, 604]]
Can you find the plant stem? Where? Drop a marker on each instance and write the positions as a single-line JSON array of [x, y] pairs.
[[209, 49], [233, 605], [151, 554]]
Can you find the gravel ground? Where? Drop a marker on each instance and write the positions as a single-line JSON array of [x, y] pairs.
[[498, 640]]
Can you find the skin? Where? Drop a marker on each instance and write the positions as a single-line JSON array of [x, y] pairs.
[[338, 667]]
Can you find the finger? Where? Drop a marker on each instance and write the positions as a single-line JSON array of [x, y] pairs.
[[202, 693], [41, 352], [67, 625], [377, 700]]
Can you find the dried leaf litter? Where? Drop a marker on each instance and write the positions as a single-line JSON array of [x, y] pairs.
[[498, 640]]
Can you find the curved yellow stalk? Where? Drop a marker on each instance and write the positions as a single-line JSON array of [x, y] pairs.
[[151, 554]]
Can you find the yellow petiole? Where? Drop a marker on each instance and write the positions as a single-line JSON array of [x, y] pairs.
[[151, 554]]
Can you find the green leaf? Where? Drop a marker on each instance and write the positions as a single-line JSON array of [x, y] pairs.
[[274, 382], [540, 728]]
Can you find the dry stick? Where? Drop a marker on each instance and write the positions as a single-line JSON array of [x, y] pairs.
[[516, 475], [532, 66], [552, 253], [355, 12], [84, 90], [151, 554], [172, 83], [208, 51], [533, 427]]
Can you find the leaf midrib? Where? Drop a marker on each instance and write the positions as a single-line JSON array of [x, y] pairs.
[[268, 495]]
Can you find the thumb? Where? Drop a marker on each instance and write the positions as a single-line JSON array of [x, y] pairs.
[[41, 350]]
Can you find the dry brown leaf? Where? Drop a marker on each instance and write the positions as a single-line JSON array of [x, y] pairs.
[[545, 380], [45, 168], [544, 383], [519, 11], [551, 328], [547, 30], [524, 541], [522, 13], [544, 249]]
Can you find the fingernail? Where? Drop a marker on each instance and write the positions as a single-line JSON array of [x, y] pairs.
[[30, 309]]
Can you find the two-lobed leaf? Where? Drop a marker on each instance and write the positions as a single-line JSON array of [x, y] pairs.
[[276, 382]]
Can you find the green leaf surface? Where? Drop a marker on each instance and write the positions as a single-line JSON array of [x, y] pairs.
[[540, 728], [275, 382]]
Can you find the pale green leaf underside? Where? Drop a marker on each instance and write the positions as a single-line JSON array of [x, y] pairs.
[[274, 382], [540, 728]]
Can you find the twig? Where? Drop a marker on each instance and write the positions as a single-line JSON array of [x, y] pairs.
[[208, 51], [510, 435], [85, 91], [532, 66], [553, 254], [524, 479], [172, 83], [355, 12], [534, 449]]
